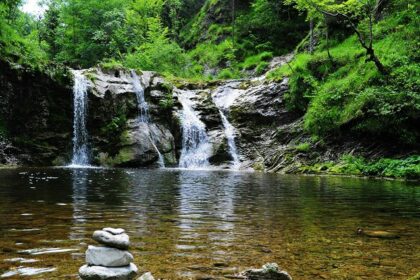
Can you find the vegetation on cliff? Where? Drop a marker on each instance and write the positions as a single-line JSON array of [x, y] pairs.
[[355, 71]]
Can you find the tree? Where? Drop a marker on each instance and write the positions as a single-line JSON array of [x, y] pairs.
[[354, 13]]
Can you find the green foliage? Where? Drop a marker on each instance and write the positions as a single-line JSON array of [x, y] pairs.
[[253, 61], [303, 147], [109, 64], [19, 37], [158, 55], [168, 102], [226, 74], [115, 126], [343, 93], [408, 168]]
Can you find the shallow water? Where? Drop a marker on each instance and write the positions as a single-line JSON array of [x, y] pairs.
[[190, 224]]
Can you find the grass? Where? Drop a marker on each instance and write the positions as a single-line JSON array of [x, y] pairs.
[[348, 94], [408, 168]]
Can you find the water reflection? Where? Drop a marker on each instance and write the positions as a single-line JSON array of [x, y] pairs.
[[79, 179], [188, 224]]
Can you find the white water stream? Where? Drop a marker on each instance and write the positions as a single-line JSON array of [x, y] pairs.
[[144, 113], [196, 148], [80, 134]]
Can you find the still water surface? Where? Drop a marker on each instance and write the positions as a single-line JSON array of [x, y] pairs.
[[195, 224]]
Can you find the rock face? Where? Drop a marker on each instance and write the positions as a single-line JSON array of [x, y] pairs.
[[117, 136], [256, 108], [270, 271], [112, 262], [35, 115]]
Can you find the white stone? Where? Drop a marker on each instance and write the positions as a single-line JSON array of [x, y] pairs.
[[106, 256], [95, 272], [114, 231], [120, 241], [146, 276]]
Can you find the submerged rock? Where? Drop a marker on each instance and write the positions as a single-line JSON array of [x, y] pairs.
[[106, 256], [94, 272], [269, 271], [146, 276], [120, 241], [378, 234]]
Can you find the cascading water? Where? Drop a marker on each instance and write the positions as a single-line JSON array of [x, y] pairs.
[[223, 98], [80, 134], [144, 113], [196, 148]]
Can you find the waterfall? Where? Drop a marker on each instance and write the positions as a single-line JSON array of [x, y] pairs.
[[80, 134], [196, 148], [223, 98], [144, 113]]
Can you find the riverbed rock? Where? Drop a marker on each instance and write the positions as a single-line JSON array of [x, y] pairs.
[[105, 256], [146, 276], [378, 234], [94, 272], [269, 271], [120, 241]]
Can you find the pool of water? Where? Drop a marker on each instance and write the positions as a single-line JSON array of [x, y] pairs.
[[197, 224]]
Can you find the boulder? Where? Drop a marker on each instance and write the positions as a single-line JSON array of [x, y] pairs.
[[94, 272], [120, 241], [270, 271], [105, 256]]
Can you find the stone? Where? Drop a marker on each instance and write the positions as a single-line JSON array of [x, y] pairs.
[[106, 256], [378, 234], [95, 272], [146, 276], [120, 241], [269, 271], [114, 231]]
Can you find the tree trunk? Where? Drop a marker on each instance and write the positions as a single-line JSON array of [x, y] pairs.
[[372, 57]]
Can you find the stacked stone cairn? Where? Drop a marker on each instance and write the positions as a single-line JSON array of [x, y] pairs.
[[111, 261]]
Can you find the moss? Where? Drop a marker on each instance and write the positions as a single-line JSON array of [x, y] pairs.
[[111, 64], [252, 62], [303, 147], [124, 155], [408, 168], [258, 166]]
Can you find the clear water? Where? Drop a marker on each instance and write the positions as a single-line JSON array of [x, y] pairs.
[[196, 148], [190, 224], [144, 113], [80, 134]]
